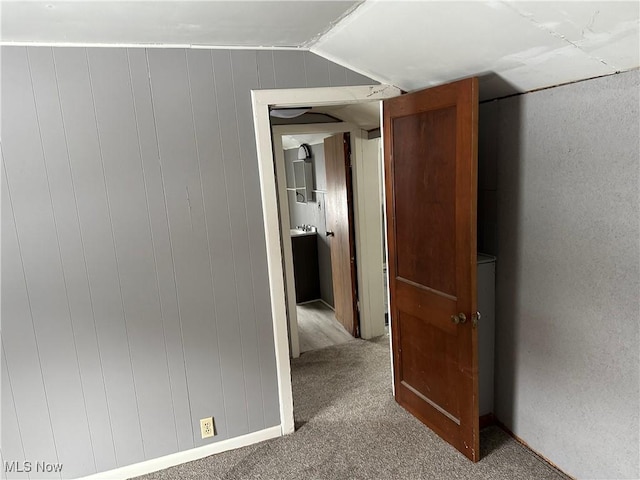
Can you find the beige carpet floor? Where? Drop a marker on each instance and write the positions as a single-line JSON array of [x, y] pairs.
[[350, 427]]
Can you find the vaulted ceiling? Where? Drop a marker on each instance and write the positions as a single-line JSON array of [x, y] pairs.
[[513, 46]]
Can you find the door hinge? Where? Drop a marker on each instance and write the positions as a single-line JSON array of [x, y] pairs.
[[474, 319]]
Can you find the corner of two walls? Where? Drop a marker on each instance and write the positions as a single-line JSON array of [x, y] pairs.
[[313, 213], [563, 167]]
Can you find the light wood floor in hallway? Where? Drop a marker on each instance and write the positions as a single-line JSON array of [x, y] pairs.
[[318, 327]]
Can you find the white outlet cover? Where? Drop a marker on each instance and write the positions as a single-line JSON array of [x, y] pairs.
[[207, 428]]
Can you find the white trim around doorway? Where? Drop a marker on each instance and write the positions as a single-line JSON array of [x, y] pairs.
[[262, 100]]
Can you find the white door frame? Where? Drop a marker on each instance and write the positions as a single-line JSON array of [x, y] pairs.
[[261, 100]]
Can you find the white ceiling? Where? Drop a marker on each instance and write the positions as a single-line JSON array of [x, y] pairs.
[[365, 115], [513, 46], [211, 23]]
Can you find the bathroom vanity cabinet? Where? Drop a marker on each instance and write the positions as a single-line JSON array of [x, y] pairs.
[[305, 266]]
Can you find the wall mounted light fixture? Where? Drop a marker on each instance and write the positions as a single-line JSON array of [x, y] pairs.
[[304, 152]]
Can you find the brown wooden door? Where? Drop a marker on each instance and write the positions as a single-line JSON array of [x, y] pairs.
[[430, 147], [340, 230]]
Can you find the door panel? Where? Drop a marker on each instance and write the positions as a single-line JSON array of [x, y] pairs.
[[424, 196], [339, 216], [430, 181]]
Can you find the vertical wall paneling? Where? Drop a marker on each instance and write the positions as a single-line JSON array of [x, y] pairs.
[[228, 118], [246, 79], [135, 296], [221, 267], [85, 156], [289, 69], [266, 79], [162, 250], [12, 446], [37, 235], [337, 75], [354, 78], [22, 358], [63, 199], [266, 69], [186, 212], [131, 232], [317, 69]]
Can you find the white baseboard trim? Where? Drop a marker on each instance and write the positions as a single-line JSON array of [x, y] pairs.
[[178, 458], [316, 300], [309, 301], [327, 305]]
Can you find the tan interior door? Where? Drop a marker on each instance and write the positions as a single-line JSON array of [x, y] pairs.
[[430, 143], [340, 230]]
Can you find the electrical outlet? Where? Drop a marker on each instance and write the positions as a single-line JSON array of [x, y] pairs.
[[207, 428]]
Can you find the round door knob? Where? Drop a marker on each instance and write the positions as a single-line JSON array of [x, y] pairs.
[[459, 318]]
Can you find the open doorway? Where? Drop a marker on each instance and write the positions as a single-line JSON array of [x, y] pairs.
[[321, 274], [332, 234], [317, 267], [275, 218]]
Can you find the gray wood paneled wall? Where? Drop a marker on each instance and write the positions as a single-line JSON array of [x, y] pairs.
[[135, 293]]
